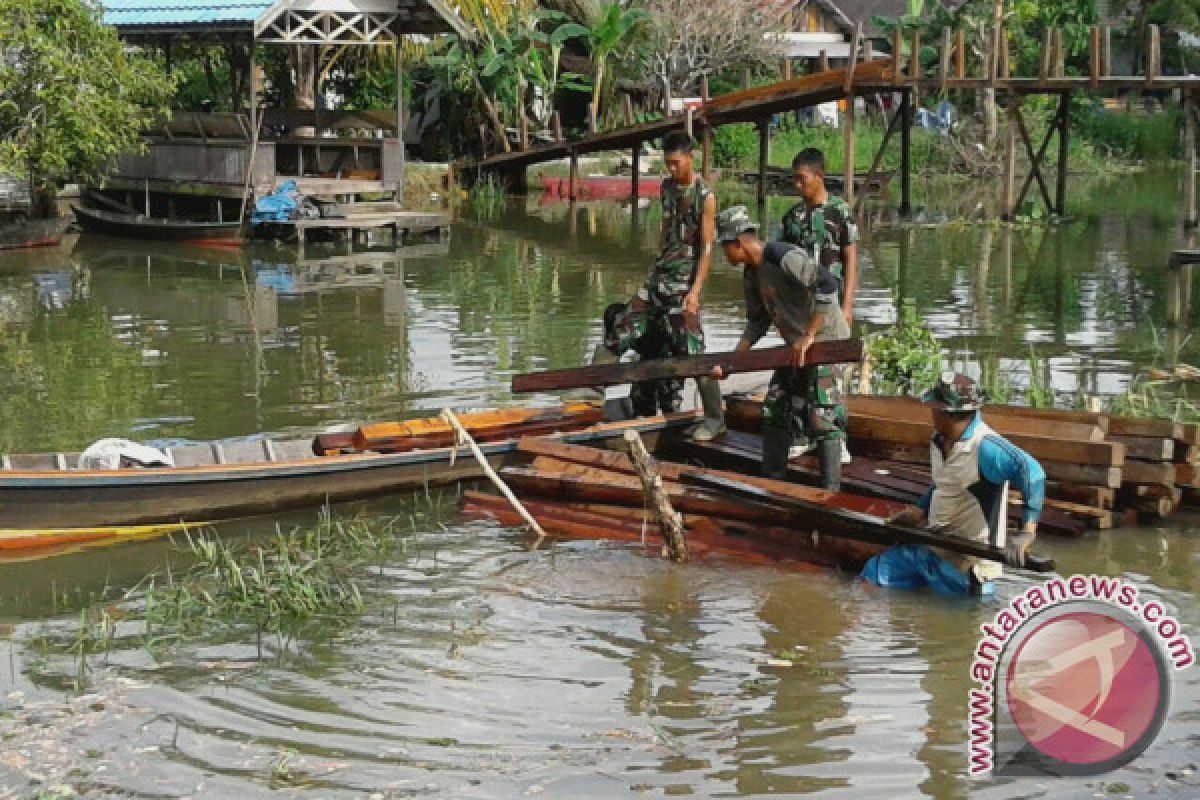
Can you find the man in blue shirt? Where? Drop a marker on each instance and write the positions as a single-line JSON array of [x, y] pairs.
[[972, 467]]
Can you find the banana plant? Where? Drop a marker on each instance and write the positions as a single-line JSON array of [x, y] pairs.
[[610, 34]]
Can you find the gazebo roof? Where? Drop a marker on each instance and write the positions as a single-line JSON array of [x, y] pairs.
[[263, 17]]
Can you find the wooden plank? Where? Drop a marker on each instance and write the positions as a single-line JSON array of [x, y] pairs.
[[960, 54], [1001, 418], [1109, 477], [1153, 57], [852, 62], [1047, 55], [898, 56], [1098, 496], [858, 526], [435, 432], [1106, 454], [835, 352], [1144, 426], [1095, 62], [944, 65], [1189, 434], [1148, 472], [1187, 454], [1146, 448]]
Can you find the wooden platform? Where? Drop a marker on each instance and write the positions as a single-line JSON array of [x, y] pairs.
[[401, 223]]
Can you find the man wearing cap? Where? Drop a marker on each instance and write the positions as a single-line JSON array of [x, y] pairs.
[[972, 467], [787, 287]]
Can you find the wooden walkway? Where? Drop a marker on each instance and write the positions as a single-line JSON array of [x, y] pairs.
[[957, 68]]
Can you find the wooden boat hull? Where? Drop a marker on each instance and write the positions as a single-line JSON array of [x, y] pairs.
[[80, 499], [614, 187], [134, 226], [32, 233]]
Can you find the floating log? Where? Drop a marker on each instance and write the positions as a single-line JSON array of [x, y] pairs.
[[862, 527], [836, 352], [1146, 448], [670, 523]]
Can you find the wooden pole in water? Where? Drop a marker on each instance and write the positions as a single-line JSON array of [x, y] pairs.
[[1189, 158], [1010, 159], [764, 153], [705, 135], [572, 176], [636, 162], [465, 438], [670, 522], [905, 154], [848, 151], [1064, 129]]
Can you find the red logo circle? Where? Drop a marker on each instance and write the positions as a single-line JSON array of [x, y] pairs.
[[1086, 689]]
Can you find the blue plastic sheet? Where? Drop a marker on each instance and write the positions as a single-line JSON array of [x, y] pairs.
[[914, 566], [279, 206]]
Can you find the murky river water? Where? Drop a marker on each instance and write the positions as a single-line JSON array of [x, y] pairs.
[[588, 670]]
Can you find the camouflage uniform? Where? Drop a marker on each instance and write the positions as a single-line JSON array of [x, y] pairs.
[[822, 232], [785, 292], [660, 300], [650, 398]]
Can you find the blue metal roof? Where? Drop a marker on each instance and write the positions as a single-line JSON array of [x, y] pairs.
[[153, 13]]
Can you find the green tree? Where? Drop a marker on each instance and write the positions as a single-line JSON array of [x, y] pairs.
[[71, 96], [607, 36]]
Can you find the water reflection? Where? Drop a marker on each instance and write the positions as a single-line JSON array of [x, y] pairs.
[[589, 671]]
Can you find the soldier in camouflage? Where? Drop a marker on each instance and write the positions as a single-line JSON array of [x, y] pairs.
[[670, 297], [824, 226], [796, 293], [649, 398]]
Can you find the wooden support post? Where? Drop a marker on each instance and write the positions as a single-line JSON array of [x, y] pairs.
[[146, 189], [747, 78], [897, 57], [573, 177], [1094, 67], [1060, 54], [993, 56], [868, 50], [944, 66], [636, 163], [1047, 57], [848, 151], [1153, 57], [1035, 161], [704, 95], [764, 154], [556, 126], [787, 69], [706, 147], [670, 523], [906, 120], [914, 63], [1004, 70], [823, 62], [1010, 159], [253, 90], [398, 193], [593, 123], [848, 87], [1106, 45], [523, 131], [689, 123], [960, 54], [1189, 158], [893, 123], [627, 109], [216, 202], [1064, 133]]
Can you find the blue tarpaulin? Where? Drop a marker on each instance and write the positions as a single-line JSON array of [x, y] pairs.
[[279, 206]]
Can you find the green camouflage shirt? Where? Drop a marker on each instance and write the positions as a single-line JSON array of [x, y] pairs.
[[682, 212], [824, 231]]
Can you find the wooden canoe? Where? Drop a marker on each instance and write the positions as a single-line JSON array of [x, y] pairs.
[[215, 481], [136, 226]]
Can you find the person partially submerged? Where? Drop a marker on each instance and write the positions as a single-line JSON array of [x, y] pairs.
[[972, 468]]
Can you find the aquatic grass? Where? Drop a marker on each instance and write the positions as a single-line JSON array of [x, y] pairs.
[[1040, 393], [906, 358]]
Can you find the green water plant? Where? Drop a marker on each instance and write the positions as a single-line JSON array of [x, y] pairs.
[[905, 359]]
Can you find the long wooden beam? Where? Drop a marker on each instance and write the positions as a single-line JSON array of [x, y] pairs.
[[837, 352]]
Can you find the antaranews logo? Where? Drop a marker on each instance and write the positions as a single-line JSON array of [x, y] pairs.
[[1072, 677]]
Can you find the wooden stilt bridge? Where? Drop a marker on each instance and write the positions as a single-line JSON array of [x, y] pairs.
[[957, 69]]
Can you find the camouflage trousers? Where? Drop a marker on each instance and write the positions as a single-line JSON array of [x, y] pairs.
[[806, 402], [657, 308]]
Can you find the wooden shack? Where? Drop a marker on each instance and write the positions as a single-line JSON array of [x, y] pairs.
[[199, 163]]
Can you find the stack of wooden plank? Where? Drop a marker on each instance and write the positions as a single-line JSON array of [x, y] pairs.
[[1096, 465], [589, 493]]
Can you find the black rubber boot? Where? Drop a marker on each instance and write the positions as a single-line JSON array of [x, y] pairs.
[[713, 426], [829, 458], [776, 445]]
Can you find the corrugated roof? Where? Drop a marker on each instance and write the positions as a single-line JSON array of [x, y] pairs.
[[153, 13]]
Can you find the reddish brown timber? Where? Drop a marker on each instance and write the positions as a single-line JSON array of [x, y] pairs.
[[1187, 474], [1191, 434], [1098, 496], [837, 352], [1188, 455], [1148, 472], [862, 527], [1146, 448], [1143, 426], [486, 426], [1006, 420]]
